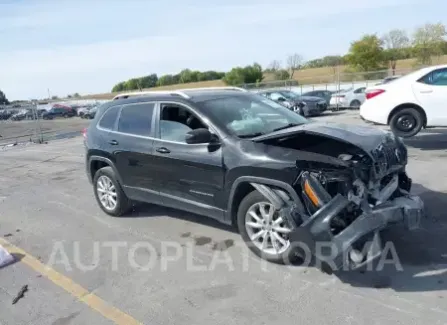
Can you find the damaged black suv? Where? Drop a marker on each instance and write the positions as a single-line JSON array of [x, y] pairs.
[[247, 161]]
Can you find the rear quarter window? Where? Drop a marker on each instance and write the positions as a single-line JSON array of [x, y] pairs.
[[108, 119]]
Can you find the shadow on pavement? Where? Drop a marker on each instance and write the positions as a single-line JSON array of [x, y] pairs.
[[421, 253], [429, 139]]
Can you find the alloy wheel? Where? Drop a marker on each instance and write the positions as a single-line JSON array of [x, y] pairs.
[[106, 193], [266, 229]]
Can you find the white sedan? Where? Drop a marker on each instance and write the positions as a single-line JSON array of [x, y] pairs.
[[351, 98], [409, 103]]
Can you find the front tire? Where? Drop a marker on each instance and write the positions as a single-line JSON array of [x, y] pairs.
[[263, 230], [406, 122], [109, 193]]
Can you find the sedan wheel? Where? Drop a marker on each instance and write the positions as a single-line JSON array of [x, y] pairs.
[[266, 229], [106, 193]]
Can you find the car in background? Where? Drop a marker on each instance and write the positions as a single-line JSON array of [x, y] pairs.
[[59, 111], [90, 114], [303, 105], [325, 94], [352, 98], [388, 79], [408, 104]]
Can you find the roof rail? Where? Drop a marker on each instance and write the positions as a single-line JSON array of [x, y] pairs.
[[214, 88], [179, 92], [143, 93]]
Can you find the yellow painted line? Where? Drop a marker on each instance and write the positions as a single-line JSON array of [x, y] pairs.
[[82, 294]]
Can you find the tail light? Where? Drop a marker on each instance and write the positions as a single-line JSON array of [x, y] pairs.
[[84, 133], [373, 93]]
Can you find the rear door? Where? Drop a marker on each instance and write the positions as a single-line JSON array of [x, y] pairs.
[[133, 140], [431, 92]]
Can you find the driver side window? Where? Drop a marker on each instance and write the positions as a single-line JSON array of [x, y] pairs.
[[177, 120]]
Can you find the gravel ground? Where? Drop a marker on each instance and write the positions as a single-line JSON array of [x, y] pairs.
[[47, 207]]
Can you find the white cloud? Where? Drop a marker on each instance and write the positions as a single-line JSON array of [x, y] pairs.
[[210, 37]]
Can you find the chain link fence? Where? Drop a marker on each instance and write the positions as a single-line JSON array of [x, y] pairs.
[[335, 82], [31, 122]]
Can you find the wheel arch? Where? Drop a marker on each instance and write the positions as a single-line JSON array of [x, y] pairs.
[[246, 184], [95, 163], [408, 105]]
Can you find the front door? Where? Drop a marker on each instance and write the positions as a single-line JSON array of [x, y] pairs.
[[191, 176], [431, 92]]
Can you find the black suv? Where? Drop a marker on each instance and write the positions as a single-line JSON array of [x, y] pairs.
[[247, 161], [56, 112]]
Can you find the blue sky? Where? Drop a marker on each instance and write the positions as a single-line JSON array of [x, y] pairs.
[[88, 46]]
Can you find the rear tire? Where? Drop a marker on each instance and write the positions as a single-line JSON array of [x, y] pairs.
[[287, 254], [355, 104], [406, 122], [109, 193]]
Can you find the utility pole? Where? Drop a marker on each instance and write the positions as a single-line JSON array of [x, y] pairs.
[[49, 97]]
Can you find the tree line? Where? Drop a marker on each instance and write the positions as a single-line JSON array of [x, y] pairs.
[[371, 52]]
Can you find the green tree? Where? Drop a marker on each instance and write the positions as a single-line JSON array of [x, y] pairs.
[[429, 41], [244, 75], [121, 86], [327, 61], [3, 99], [282, 74], [367, 54], [148, 81], [396, 42]]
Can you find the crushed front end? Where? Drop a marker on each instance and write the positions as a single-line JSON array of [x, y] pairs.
[[346, 208]]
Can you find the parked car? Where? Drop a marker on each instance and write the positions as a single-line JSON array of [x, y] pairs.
[[19, 116], [247, 161], [303, 105], [90, 114], [351, 98], [56, 112], [325, 94], [409, 103], [388, 79], [82, 110]]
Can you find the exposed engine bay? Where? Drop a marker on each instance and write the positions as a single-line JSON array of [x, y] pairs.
[[347, 195]]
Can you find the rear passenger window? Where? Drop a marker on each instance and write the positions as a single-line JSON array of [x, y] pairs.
[[108, 119], [136, 119]]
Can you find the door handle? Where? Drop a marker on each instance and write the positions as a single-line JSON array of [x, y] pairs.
[[163, 150], [426, 91], [113, 142]]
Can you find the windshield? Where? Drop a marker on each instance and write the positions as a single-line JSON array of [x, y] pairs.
[[289, 94], [250, 115]]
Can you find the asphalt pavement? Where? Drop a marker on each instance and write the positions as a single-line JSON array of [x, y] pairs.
[[162, 266]]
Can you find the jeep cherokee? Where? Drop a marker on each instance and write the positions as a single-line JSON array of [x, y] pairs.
[[247, 161]]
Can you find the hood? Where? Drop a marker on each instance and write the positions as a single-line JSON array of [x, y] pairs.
[[364, 137], [312, 99]]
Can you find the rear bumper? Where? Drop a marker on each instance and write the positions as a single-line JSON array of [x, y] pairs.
[[334, 250]]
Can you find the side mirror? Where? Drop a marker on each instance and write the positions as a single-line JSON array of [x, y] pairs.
[[198, 136]]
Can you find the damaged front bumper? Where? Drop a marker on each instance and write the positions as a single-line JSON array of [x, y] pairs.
[[359, 243]]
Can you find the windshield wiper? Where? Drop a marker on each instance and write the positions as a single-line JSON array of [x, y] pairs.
[[250, 135], [290, 125]]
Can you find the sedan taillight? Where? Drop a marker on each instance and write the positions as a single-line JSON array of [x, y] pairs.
[[373, 93]]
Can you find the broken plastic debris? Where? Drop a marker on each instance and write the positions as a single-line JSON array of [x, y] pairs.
[[5, 257]]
